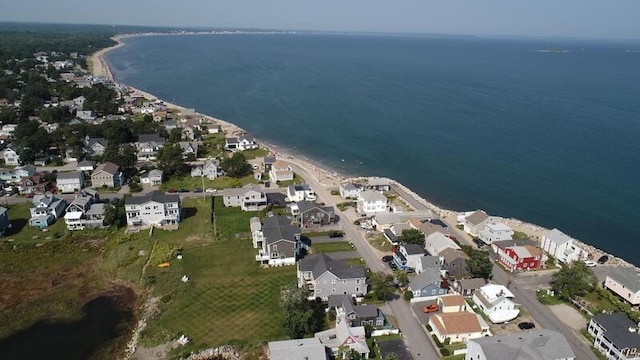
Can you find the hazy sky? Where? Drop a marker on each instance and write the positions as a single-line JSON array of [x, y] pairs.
[[574, 18]]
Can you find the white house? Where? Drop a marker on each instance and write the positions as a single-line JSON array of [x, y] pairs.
[[240, 143], [86, 165], [280, 171], [408, 255], [495, 301], [11, 157], [209, 169], [148, 146], [561, 246], [476, 221], [344, 335], [625, 282], [69, 182], [249, 198], [495, 231], [153, 209], [458, 326], [153, 177], [296, 193], [350, 190], [438, 242], [371, 202]]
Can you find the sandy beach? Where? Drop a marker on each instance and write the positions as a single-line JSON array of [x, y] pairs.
[[326, 176]]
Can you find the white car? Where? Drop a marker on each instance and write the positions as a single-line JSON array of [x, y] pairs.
[[590, 263], [210, 190]]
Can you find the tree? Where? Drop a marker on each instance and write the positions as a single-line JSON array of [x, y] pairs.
[[479, 262], [170, 160], [175, 135], [114, 215], [301, 316], [347, 353], [402, 278], [124, 155], [236, 165], [412, 236], [391, 356], [575, 279], [381, 286]]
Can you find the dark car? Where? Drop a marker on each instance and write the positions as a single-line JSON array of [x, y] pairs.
[[392, 265], [478, 242], [336, 234], [197, 190], [267, 184], [183, 190], [526, 326], [173, 190], [603, 259], [387, 258]]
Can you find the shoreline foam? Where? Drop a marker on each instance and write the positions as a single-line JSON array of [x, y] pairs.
[[332, 177]]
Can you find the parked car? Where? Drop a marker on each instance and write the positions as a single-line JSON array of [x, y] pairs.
[[172, 190], [526, 326], [590, 263], [478, 242], [387, 258], [430, 308], [183, 190], [392, 265], [335, 234], [197, 190], [603, 259], [210, 190], [267, 184]]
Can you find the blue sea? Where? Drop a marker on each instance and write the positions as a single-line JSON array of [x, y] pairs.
[[544, 130]]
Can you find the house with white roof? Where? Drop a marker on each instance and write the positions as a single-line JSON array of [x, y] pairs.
[[69, 182], [371, 202], [280, 171], [344, 335], [561, 246], [296, 193], [298, 349], [438, 242], [350, 190], [495, 231], [534, 344], [496, 303], [625, 282]]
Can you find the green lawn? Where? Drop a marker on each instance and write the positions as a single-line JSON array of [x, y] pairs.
[[190, 183], [21, 231], [255, 153], [212, 145], [230, 221], [296, 180], [330, 247], [379, 242]]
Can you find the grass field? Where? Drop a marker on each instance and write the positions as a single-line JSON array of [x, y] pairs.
[[330, 247], [21, 231], [191, 183]]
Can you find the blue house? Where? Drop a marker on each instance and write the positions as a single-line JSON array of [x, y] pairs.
[[428, 283], [45, 210]]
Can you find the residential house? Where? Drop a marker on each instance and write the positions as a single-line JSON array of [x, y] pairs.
[[624, 282], [239, 143], [521, 258], [35, 184], [297, 193], [209, 169], [267, 162], [248, 198], [561, 246], [407, 255], [84, 213], [495, 231], [496, 302], [394, 232], [148, 146], [371, 202], [153, 209], [189, 133], [85, 115], [189, 148], [281, 171], [86, 165], [455, 263], [79, 102], [378, 184], [212, 128], [11, 157], [452, 303], [428, 284], [458, 326], [534, 344], [350, 190], [311, 214], [323, 276], [616, 336], [107, 174], [25, 170], [153, 177], [438, 242], [385, 220], [69, 182], [45, 210], [278, 241], [298, 349], [345, 336], [356, 315], [96, 146], [466, 287], [475, 222], [5, 223], [429, 226], [428, 262]]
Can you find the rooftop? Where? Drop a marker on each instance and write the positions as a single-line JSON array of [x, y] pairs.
[[557, 237], [456, 323], [156, 196], [531, 345], [617, 327], [626, 276], [297, 349], [318, 264]]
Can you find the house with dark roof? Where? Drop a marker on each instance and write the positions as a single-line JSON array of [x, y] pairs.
[[615, 335], [356, 315], [350, 190], [69, 182], [83, 213], [86, 165], [323, 276], [267, 162], [428, 284], [95, 146], [455, 263], [277, 239], [407, 255], [535, 344], [466, 287], [297, 193], [107, 174], [148, 146], [153, 209], [624, 282], [310, 214]]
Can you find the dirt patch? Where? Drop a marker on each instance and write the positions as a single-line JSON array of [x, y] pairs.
[[570, 316]]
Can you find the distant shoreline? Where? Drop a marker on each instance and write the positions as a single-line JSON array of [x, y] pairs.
[[101, 68]]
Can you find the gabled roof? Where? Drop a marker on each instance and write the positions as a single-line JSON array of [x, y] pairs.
[[452, 300], [626, 276], [450, 255], [276, 228], [305, 206], [269, 160], [617, 327], [102, 141], [530, 345], [429, 261], [71, 175], [318, 264], [143, 138], [155, 173], [108, 167], [84, 163], [297, 349], [241, 191], [413, 249], [427, 277], [515, 242], [456, 323], [477, 217], [372, 196], [439, 242], [378, 181], [557, 237], [471, 284], [295, 188], [156, 196], [255, 224]]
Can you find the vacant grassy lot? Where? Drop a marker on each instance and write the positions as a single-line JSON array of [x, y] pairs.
[[331, 247], [191, 183], [255, 153]]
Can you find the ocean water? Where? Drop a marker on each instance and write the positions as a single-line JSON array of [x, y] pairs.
[[549, 137]]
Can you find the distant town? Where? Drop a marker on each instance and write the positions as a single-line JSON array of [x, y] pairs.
[[238, 250]]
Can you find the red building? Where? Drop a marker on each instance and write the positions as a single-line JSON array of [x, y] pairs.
[[519, 258]]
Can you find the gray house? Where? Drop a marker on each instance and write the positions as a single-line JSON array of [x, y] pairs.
[[311, 214], [356, 315], [323, 276], [278, 241], [248, 198], [466, 287], [45, 210], [96, 146], [428, 283], [455, 262], [70, 182], [534, 344], [428, 262], [4, 220]]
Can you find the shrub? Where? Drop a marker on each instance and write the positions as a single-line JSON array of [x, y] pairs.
[[408, 295], [435, 338], [445, 352]]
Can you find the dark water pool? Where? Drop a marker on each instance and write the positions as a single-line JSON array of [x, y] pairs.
[[104, 321]]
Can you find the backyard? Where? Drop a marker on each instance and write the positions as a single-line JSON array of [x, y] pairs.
[[191, 183]]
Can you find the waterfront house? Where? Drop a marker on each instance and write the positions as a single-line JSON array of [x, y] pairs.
[[496, 303], [277, 239], [475, 222], [153, 209], [533, 344], [153, 177], [280, 171], [248, 198], [428, 262], [239, 143], [311, 214], [267, 162], [298, 349], [45, 210], [561, 246], [466, 287], [385, 220], [84, 213], [394, 232], [11, 157], [616, 336], [209, 169], [323, 276], [624, 282], [428, 284], [212, 128], [495, 231], [378, 184], [371, 202], [520, 258], [344, 336], [356, 315], [69, 182], [438, 242], [407, 256], [428, 226], [297, 193], [455, 263], [148, 146], [107, 174], [458, 326], [4, 220], [96, 146], [350, 190]]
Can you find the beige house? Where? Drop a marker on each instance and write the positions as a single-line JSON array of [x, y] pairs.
[[625, 282], [458, 326], [107, 174]]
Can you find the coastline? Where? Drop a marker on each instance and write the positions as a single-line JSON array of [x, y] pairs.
[[324, 175]]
